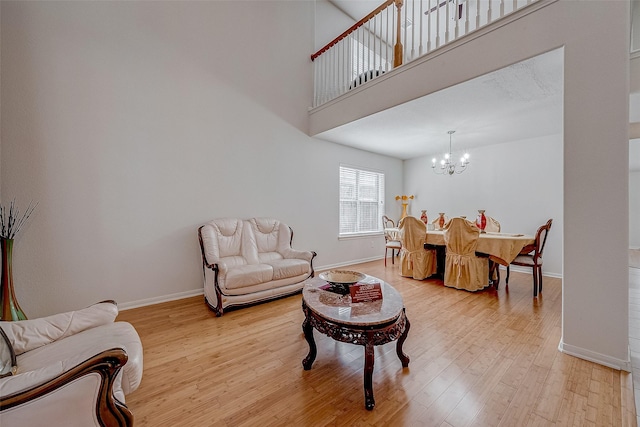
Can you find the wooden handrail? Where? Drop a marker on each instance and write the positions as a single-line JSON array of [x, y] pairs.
[[357, 25]]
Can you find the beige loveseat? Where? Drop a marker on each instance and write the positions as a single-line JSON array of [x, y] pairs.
[[249, 261], [69, 369]]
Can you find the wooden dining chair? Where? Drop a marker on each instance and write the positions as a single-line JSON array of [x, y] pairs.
[[493, 226], [389, 241], [531, 256]]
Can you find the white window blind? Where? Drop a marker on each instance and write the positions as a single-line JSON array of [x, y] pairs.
[[361, 201]]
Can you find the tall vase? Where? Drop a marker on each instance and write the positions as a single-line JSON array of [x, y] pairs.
[[441, 221], [404, 210], [481, 220], [423, 217], [10, 308]]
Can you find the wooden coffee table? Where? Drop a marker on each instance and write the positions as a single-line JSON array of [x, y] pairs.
[[367, 324]]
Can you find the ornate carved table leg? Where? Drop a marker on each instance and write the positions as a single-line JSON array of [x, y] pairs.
[[369, 401], [401, 355], [308, 334]]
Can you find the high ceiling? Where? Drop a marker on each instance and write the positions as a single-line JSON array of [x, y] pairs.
[[518, 102]]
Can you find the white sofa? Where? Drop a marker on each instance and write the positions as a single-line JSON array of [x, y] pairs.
[[69, 369], [249, 261]]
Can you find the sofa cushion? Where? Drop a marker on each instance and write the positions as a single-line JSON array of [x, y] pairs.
[[26, 335], [269, 257], [284, 268], [247, 275], [266, 233], [222, 238]]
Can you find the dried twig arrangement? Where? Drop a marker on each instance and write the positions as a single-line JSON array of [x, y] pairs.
[[12, 220]]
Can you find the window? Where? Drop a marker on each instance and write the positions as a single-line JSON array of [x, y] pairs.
[[361, 201]]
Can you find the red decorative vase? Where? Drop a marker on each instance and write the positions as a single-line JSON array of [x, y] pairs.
[[10, 308], [423, 217], [481, 220], [441, 221]]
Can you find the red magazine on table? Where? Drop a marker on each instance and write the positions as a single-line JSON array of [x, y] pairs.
[[365, 292]]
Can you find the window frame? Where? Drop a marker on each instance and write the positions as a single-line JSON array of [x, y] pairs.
[[380, 201]]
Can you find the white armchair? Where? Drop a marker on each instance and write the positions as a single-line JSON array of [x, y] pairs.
[[70, 369]]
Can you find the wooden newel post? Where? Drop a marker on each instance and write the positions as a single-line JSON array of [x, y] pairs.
[[397, 49]]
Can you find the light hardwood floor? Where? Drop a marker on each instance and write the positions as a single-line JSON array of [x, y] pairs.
[[477, 359]]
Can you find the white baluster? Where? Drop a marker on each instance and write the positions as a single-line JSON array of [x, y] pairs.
[[394, 10], [501, 8], [457, 31], [379, 40], [348, 62], [373, 51], [405, 54], [446, 31], [369, 53], [420, 48], [339, 67], [477, 14], [333, 73], [438, 24], [358, 55], [466, 17], [429, 25], [325, 78], [489, 13], [315, 83], [413, 29]]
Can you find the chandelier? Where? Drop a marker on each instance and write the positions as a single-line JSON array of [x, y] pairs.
[[447, 165]]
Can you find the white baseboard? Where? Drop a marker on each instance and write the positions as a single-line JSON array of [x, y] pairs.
[[200, 291], [528, 270], [592, 356], [342, 264], [160, 299]]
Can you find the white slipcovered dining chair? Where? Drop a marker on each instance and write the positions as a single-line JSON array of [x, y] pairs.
[[493, 226], [463, 269], [415, 261]]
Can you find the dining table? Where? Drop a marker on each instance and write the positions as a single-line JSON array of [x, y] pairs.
[[503, 247]]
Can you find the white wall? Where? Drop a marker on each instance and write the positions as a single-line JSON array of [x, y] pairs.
[[634, 209], [517, 183], [329, 23], [132, 123]]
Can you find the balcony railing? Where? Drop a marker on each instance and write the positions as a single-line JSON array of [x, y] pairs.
[[395, 33]]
